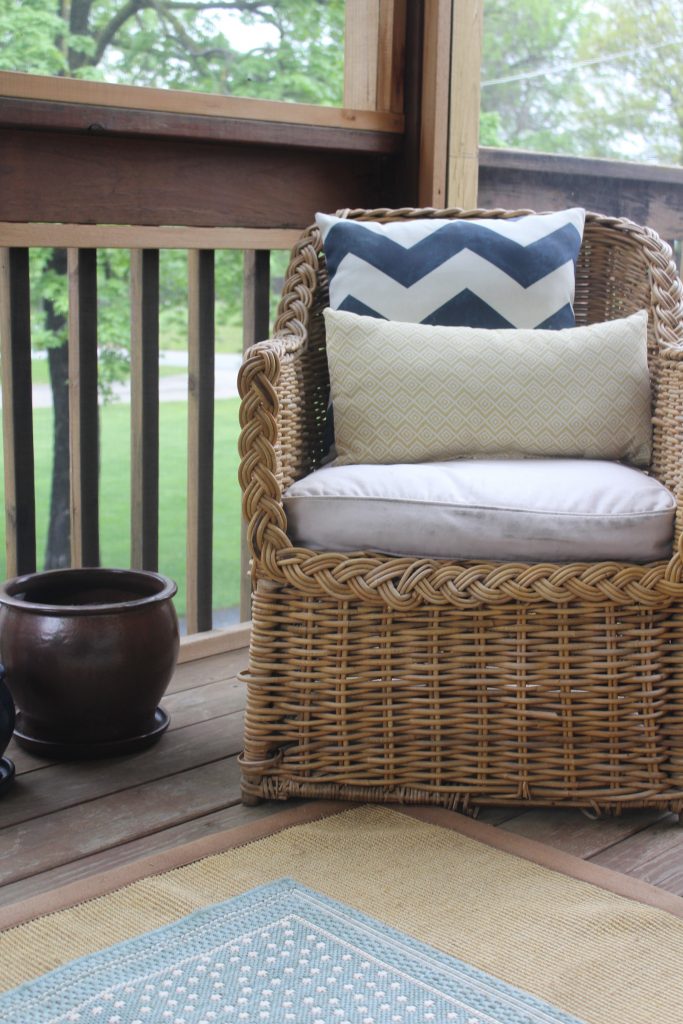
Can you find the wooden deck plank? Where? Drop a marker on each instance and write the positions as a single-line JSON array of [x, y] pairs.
[[62, 821], [207, 670], [67, 785], [665, 869], [655, 855], [25, 762], [218, 821], [185, 707], [87, 828], [201, 703], [573, 832], [497, 815]]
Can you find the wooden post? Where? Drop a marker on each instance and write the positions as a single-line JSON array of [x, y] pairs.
[[83, 407], [436, 72], [200, 431], [361, 42], [17, 411], [144, 408], [374, 55], [463, 131]]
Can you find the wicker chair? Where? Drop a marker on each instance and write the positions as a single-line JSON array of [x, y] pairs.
[[394, 679]]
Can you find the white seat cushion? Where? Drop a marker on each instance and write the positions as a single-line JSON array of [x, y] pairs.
[[530, 510]]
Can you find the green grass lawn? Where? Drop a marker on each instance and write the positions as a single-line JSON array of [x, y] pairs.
[[115, 493], [173, 336]]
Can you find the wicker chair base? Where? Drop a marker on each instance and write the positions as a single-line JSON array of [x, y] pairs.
[[278, 789], [574, 704]]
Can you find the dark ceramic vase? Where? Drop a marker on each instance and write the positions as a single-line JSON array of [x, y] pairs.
[[88, 655], [6, 727]]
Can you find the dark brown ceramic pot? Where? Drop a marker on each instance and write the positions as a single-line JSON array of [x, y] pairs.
[[88, 655]]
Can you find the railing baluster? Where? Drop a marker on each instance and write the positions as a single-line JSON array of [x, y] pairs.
[[256, 327], [144, 383], [17, 411], [83, 408], [200, 440]]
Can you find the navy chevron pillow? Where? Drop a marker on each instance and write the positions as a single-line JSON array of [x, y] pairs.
[[474, 273]]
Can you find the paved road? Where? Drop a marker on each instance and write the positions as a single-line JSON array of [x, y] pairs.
[[172, 388]]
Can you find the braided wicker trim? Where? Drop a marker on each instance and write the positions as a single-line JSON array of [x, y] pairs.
[[403, 583], [274, 787]]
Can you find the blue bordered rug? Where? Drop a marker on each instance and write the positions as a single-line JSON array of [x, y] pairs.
[[280, 953]]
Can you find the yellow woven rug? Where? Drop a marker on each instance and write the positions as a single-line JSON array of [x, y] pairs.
[[603, 947]]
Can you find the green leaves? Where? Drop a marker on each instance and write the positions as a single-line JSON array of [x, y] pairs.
[[182, 44], [589, 79], [31, 37]]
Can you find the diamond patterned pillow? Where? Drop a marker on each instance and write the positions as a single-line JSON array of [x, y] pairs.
[[416, 393], [478, 273]]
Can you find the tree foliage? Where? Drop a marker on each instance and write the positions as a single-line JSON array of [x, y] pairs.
[[182, 44], [586, 78], [31, 37], [522, 39], [638, 108]]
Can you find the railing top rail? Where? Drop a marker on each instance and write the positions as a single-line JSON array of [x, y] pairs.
[[124, 236], [558, 163]]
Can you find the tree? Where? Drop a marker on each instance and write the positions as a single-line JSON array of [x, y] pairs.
[[587, 79], [638, 90], [181, 44], [527, 105]]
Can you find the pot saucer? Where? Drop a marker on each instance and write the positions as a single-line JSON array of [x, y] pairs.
[[68, 750], [6, 772]]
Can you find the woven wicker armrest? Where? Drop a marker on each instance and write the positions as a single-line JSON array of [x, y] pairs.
[[283, 384], [667, 455], [259, 475]]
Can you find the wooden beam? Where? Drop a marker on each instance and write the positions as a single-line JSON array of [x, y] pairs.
[[17, 412], [463, 130], [135, 97], [123, 236], [374, 55], [90, 119], [83, 407], [391, 55], [644, 193], [76, 178], [256, 304], [361, 47], [436, 70]]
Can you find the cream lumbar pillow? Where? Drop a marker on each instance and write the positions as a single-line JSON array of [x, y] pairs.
[[406, 392]]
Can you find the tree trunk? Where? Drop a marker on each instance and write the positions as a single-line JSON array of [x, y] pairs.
[[58, 547]]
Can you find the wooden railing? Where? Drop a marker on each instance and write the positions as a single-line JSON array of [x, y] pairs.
[[645, 193], [112, 166], [82, 243], [87, 166], [650, 194]]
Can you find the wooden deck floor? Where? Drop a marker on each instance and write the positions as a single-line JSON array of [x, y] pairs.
[[60, 822]]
